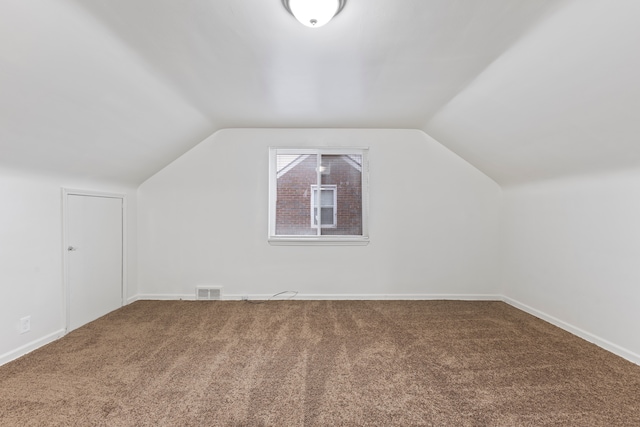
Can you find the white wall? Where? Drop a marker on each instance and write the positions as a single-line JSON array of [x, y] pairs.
[[31, 282], [433, 222], [569, 251], [572, 256]]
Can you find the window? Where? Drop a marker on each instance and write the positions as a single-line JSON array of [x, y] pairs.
[[296, 208], [328, 206]]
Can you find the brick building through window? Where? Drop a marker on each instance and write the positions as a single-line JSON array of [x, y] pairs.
[[341, 201]]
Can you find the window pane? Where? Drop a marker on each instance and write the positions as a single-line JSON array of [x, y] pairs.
[[327, 197], [345, 173], [295, 176], [327, 216]]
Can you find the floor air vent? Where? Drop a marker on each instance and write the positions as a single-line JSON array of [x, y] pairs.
[[208, 293]]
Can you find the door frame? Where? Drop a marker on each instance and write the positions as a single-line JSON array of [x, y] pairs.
[[66, 301]]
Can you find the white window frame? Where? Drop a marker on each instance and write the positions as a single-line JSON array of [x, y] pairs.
[[334, 205], [312, 240]]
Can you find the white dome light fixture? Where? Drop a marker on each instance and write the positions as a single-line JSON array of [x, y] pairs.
[[314, 13]]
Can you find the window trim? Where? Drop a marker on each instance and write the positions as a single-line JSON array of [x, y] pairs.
[[318, 240]]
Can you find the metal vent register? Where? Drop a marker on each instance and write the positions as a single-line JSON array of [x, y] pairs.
[[208, 293]]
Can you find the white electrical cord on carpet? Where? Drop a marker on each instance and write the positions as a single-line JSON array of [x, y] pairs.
[[273, 296]]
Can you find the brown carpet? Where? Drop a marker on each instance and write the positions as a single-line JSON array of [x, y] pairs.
[[319, 363]]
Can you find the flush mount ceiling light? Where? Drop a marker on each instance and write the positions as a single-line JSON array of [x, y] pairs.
[[314, 13]]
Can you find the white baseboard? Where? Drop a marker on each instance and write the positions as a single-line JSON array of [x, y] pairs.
[[163, 297], [600, 342], [328, 297], [368, 297], [29, 347]]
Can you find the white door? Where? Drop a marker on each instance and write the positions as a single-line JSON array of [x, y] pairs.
[[94, 257]]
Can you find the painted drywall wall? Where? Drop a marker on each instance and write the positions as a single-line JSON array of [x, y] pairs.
[[433, 222], [571, 256], [31, 280]]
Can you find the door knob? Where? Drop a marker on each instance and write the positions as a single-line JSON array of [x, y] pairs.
[[71, 249]]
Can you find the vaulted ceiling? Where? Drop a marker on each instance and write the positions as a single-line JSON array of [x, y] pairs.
[[117, 89]]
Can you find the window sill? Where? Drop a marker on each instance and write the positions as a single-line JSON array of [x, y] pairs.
[[318, 241]]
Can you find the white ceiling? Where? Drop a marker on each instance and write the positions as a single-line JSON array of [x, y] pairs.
[[117, 89], [564, 100]]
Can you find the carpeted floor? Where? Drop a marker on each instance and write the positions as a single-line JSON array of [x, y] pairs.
[[319, 363]]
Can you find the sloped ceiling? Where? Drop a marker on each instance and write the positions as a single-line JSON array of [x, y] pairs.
[[117, 89], [564, 100]]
